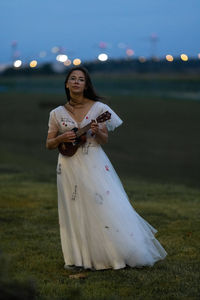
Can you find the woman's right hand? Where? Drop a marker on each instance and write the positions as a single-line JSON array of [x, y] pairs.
[[67, 137]]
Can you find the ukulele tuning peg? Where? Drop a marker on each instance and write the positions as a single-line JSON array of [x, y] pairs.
[[104, 117]]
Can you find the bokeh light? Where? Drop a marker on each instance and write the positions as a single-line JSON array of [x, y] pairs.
[[33, 63], [184, 57], [76, 61], [142, 59], [55, 49], [198, 55], [129, 52], [103, 57], [169, 57], [17, 63], [61, 57], [67, 62]]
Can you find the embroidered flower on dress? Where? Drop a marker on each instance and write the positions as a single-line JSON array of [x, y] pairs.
[[64, 121], [74, 194], [86, 117], [99, 198], [107, 167]]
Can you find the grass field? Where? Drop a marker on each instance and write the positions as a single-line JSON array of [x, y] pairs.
[[156, 153]]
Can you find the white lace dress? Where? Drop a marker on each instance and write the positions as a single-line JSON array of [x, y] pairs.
[[99, 228]]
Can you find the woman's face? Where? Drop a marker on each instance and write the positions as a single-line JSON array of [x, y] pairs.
[[76, 82]]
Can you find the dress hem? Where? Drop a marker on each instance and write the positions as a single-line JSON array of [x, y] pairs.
[[116, 267]]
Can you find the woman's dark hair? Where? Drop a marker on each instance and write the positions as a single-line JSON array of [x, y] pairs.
[[89, 92]]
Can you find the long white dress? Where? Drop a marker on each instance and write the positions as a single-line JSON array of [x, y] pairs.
[[99, 228]]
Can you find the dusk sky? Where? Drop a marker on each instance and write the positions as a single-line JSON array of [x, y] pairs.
[[80, 26]]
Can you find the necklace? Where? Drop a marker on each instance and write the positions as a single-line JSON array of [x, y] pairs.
[[73, 106]]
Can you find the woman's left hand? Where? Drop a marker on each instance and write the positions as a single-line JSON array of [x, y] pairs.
[[94, 127]]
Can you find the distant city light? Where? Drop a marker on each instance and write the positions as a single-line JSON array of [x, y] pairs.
[[58, 57], [67, 62], [129, 52], [76, 61], [184, 57], [142, 59], [169, 57], [43, 54], [55, 49], [61, 57], [33, 63], [17, 63], [103, 57]]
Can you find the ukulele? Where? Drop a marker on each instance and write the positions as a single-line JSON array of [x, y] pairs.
[[69, 149]]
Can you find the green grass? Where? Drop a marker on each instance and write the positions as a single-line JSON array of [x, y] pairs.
[[30, 235], [156, 153]]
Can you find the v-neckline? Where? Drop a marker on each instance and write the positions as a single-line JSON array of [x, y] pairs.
[[84, 115]]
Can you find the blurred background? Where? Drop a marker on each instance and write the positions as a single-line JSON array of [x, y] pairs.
[[89, 31]]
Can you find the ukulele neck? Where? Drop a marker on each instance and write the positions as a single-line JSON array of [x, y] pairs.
[[102, 118], [83, 130]]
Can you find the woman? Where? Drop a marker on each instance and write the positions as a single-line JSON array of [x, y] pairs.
[[98, 226]]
